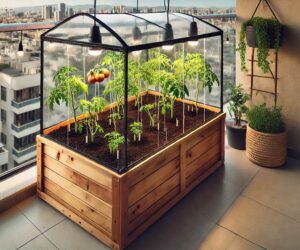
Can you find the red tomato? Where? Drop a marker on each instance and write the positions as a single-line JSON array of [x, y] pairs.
[[91, 79], [99, 77], [105, 72]]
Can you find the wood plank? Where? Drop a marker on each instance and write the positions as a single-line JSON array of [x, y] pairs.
[[78, 163], [78, 220], [145, 186], [116, 220], [152, 164], [182, 166], [203, 159], [124, 191], [135, 232], [202, 147], [152, 210], [97, 204], [222, 145], [39, 163], [202, 135], [100, 191], [200, 171], [150, 199], [82, 208]]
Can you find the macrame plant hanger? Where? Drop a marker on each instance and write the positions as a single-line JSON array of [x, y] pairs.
[[274, 75]]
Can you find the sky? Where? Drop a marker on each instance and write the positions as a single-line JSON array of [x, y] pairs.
[[196, 3]]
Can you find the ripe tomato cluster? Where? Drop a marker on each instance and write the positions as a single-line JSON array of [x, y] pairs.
[[97, 75]]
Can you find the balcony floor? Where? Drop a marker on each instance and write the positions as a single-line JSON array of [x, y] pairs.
[[241, 206]]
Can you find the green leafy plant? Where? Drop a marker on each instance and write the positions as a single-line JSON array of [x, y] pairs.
[[266, 120], [136, 129], [92, 108], [114, 141], [68, 87], [266, 30], [147, 109], [237, 101], [115, 117]]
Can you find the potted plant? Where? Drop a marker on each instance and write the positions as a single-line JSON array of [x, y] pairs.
[[266, 140], [236, 127], [263, 34]]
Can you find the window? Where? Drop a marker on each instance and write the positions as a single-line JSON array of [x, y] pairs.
[[3, 138], [27, 117], [3, 115], [26, 94], [3, 93], [24, 142], [4, 168]]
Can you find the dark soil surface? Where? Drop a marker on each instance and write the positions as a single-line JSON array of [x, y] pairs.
[[152, 140]]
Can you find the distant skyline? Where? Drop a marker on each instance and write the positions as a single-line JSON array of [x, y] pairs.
[[190, 3]]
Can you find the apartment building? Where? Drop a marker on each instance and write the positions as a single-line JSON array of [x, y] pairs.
[[20, 115]]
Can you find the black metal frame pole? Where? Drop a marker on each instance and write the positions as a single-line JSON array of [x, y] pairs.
[[42, 89], [125, 119], [222, 68]]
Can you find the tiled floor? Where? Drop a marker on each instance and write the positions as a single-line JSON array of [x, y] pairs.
[[241, 206]]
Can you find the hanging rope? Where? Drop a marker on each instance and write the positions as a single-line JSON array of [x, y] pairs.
[[269, 6]]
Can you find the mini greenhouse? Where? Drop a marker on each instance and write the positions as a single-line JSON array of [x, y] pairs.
[[131, 108]]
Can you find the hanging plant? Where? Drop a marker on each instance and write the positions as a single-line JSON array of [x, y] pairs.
[[267, 34]]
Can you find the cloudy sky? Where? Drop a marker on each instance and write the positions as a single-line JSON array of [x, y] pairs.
[[197, 3]]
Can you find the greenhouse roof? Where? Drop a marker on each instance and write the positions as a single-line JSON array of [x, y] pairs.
[[118, 31]]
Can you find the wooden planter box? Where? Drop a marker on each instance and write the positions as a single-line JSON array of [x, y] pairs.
[[115, 208]]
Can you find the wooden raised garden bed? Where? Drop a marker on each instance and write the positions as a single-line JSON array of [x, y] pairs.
[[117, 208]]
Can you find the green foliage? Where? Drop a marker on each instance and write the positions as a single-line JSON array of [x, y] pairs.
[[93, 107], [115, 117], [237, 101], [263, 27], [147, 109], [114, 141], [266, 120], [68, 86], [136, 128]]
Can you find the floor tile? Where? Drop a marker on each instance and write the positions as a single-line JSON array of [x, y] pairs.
[[40, 213], [15, 229], [183, 227], [214, 196], [262, 225], [41, 242], [220, 239], [68, 236], [278, 189], [238, 169]]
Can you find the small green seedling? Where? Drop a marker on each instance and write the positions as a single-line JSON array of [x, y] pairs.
[[114, 142], [114, 117], [92, 108], [147, 109], [136, 129]]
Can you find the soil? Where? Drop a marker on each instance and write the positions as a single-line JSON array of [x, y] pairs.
[[152, 140]]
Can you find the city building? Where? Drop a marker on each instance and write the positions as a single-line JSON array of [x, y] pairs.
[[47, 12], [20, 110], [61, 7]]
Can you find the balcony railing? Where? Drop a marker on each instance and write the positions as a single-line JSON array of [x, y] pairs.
[[24, 151], [22, 104], [25, 126]]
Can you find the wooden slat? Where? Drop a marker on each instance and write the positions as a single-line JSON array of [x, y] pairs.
[[222, 143], [116, 220], [201, 160], [200, 171], [124, 192], [78, 219], [97, 204], [145, 186], [78, 163], [82, 208], [152, 165], [100, 191], [153, 209], [183, 166], [39, 163], [153, 197], [201, 135], [202, 147]]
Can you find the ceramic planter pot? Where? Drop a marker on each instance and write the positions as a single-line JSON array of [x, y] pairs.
[[236, 135]]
